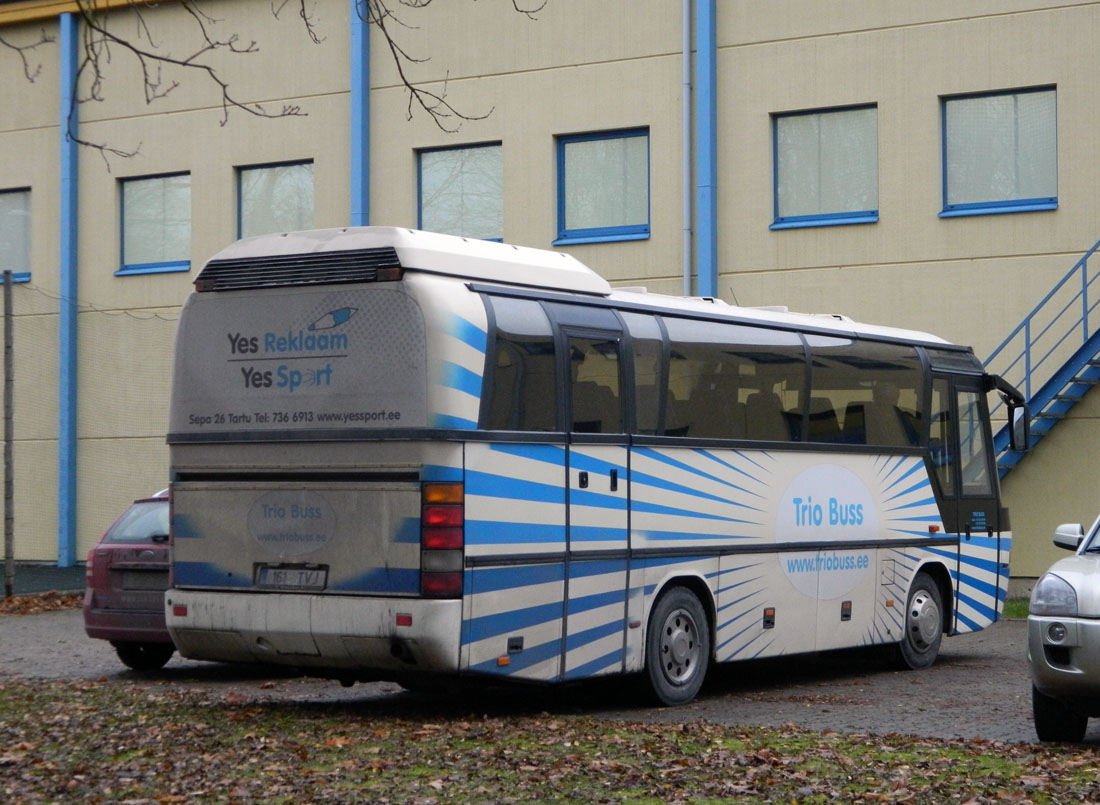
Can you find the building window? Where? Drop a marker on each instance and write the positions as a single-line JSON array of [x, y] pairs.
[[460, 191], [274, 198], [1000, 152], [826, 167], [15, 232], [156, 224], [603, 186]]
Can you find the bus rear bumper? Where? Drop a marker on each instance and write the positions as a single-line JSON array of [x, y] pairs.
[[337, 633]]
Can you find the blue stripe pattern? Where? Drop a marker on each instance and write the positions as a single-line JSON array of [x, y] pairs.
[[685, 499], [460, 378], [468, 333]]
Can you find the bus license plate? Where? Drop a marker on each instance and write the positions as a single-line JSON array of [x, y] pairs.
[[292, 578]]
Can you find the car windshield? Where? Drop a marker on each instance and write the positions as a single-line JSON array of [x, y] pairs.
[[140, 523]]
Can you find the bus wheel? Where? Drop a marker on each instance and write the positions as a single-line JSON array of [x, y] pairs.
[[677, 647], [920, 645]]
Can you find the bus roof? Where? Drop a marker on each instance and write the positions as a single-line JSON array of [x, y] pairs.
[[438, 254], [779, 316], [495, 262]]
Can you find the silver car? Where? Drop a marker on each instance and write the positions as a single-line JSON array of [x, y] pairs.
[[1063, 638]]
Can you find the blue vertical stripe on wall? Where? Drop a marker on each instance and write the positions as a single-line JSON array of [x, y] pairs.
[[360, 114], [67, 307], [706, 148]]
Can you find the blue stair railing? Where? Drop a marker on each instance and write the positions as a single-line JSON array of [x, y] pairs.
[[1053, 355]]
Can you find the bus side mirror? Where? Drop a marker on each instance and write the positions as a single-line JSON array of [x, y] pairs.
[[1020, 432]]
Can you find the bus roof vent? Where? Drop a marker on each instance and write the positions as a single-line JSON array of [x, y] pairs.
[[313, 268]]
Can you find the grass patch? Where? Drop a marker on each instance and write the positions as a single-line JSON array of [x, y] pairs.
[[100, 741], [1016, 608]]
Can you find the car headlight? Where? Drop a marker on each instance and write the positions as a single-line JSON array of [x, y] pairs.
[[1053, 595]]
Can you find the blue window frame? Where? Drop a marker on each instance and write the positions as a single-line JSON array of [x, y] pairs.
[[274, 198], [460, 191], [1000, 152], [603, 186], [15, 233], [156, 224], [825, 165]]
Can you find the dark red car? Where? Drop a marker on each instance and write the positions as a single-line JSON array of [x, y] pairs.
[[127, 575]]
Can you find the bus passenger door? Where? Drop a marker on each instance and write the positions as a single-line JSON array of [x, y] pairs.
[[598, 495], [966, 473]]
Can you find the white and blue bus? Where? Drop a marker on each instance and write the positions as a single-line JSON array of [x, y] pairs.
[[397, 454]]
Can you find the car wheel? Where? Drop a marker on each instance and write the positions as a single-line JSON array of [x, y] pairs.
[[1054, 721], [677, 647], [144, 656], [923, 626]]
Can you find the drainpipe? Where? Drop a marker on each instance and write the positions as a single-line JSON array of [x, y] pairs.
[[67, 305], [706, 147], [360, 114], [685, 140]]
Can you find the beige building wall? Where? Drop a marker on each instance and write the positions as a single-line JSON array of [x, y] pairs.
[[28, 159], [576, 67], [1056, 483]]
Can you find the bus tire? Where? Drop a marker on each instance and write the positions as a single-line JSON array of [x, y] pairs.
[[923, 624], [1056, 722], [677, 647], [144, 656]]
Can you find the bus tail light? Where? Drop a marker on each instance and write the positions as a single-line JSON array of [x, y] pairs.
[[442, 522]]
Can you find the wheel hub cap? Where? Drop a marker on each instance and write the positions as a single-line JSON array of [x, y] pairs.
[[923, 620], [679, 647]]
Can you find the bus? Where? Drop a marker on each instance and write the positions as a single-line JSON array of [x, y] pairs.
[[399, 455]]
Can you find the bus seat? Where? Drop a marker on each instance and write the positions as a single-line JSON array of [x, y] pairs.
[[676, 416], [824, 425], [646, 400], [764, 418], [595, 409], [876, 423], [715, 412], [537, 402]]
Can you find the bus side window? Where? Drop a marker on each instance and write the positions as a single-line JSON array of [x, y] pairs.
[[523, 392], [714, 368], [877, 386], [824, 425], [974, 449], [765, 418], [647, 348], [594, 372], [717, 413], [941, 440]]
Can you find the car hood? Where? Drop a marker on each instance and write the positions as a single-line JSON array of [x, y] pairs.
[[1083, 574]]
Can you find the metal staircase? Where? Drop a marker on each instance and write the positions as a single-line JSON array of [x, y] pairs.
[[1053, 355]]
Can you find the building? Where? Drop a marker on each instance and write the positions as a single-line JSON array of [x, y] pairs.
[[925, 165]]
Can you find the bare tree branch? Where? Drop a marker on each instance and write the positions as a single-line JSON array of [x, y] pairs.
[[102, 41], [306, 16], [529, 12], [99, 38], [435, 104], [31, 72]]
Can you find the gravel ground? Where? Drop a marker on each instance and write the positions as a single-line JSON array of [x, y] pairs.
[[979, 688]]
